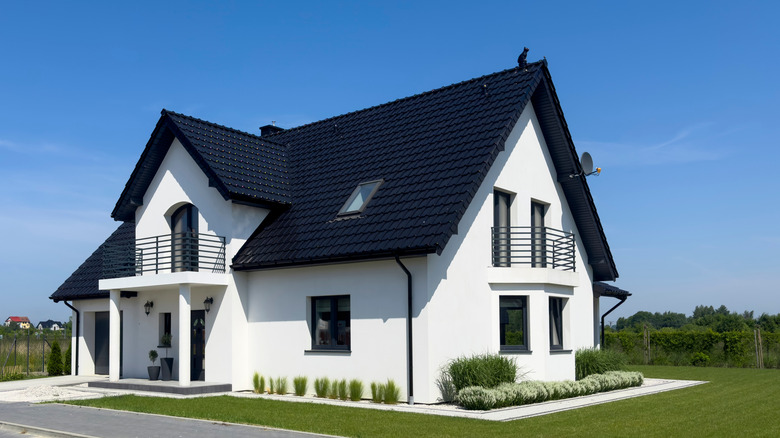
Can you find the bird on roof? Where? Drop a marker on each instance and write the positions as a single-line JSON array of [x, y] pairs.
[[521, 61]]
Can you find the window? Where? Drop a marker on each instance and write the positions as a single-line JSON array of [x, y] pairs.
[[359, 198], [165, 324], [513, 322], [556, 323], [502, 220], [538, 255], [330, 323], [184, 239]]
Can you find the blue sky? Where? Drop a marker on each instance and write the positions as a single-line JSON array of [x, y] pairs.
[[676, 101]]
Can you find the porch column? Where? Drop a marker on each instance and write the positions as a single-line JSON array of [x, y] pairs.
[[184, 334], [113, 336]]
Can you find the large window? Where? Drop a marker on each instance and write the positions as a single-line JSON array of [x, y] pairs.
[[556, 323], [502, 220], [330, 323], [513, 322], [538, 237], [184, 239]]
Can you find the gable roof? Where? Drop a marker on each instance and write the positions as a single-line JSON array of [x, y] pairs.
[[432, 151], [18, 319], [241, 166], [83, 283], [48, 324]]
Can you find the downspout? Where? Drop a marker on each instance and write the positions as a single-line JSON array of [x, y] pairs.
[[78, 330], [622, 300], [409, 345]]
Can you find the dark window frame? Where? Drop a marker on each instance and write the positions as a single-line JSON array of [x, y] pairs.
[[332, 324], [502, 228], [504, 322], [344, 212], [557, 304]]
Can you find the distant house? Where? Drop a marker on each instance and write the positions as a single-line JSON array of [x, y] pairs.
[[378, 244], [22, 321], [50, 325]]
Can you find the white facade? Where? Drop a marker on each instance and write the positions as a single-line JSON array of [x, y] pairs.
[[261, 320]]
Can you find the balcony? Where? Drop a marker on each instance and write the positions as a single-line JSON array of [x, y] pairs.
[[168, 253], [536, 247]]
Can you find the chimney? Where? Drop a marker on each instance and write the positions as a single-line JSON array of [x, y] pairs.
[[271, 129]]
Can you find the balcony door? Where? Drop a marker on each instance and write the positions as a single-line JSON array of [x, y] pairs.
[[502, 220], [184, 239], [538, 237]]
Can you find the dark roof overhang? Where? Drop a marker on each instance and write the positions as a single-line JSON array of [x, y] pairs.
[[607, 290]]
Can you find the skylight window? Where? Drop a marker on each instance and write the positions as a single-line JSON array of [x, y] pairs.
[[359, 198]]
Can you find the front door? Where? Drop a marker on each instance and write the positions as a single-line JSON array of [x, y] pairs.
[[198, 337], [102, 336]]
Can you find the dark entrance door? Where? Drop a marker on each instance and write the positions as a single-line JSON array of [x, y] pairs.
[[102, 328], [198, 337]]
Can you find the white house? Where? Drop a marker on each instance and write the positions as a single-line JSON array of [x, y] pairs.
[[377, 244]]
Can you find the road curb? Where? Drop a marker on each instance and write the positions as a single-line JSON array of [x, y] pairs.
[[40, 431]]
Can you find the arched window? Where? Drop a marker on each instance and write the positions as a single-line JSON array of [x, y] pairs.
[[184, 239]]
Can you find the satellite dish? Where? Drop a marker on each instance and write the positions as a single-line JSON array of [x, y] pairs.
[[587, 166], [587, 163]]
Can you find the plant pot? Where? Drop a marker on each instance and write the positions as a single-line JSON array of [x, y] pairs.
[[167, 368], [154, 372]]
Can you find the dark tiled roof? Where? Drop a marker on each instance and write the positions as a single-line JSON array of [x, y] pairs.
[[83, 283], [608, 290], [241, 166], [432, 150]]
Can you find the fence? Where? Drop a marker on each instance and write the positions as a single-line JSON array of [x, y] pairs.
[[750, 349], [26, 352]]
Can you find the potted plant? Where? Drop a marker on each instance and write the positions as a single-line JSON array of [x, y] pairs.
[[167, 362], [154, 370]]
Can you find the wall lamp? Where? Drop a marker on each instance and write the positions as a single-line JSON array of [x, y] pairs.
[[207, 303], [148, 307]]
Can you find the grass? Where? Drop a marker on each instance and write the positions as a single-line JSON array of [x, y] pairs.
[[736, 402]]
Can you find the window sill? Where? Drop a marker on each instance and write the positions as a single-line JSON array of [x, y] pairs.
[[507, 351], [325, 351], [560, 351]]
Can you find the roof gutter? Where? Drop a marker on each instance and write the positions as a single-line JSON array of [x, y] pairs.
[[409, 338], [78, 330], [622, 300]]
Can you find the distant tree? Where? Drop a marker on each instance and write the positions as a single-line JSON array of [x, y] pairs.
[[702, 311], [54, 367], [66, 361]]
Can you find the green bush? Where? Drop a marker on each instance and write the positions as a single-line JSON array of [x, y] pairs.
[[300, 384], [391, 393], [377, 392], [589, 361], [355, 390], [54, 367], [700, 360], [485, 370], [342, 390], [256, 383], [321, 387], [333, 391], [66, 367], [281, 385], [271, 384], [517, 394]]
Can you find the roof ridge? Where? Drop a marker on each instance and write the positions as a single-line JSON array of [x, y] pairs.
[[435, 90], [217, 125]]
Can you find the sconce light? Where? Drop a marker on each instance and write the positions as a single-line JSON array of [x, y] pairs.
[[207, 303], [148, 307]]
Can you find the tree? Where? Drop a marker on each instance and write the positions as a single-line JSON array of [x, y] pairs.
[[54, 367], [66, 361]]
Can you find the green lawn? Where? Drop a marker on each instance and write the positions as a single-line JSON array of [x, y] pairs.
[[736, 402]]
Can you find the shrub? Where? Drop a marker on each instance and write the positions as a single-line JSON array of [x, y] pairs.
[[301, 384], [66, 368], [262, 385], [256, 383], [271, 384], [700, 360], [377, 392], [355, 390], [477, 398], [152, 356], [589, 361], [281, 385], [321, 387], [342, 390], [485, 370], [391, 393], [54, 367], [333, 391]]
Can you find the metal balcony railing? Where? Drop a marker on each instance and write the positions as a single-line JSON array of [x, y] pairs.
[[538, 247], [177, 252]]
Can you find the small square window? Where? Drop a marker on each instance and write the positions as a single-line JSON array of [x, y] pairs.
[[359, 198], [513, 322], [330, 323]]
